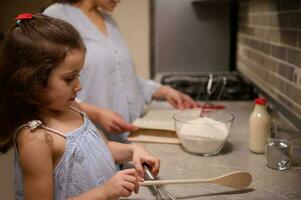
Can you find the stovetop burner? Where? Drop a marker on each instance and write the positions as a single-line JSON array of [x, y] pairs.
[[225, 85]]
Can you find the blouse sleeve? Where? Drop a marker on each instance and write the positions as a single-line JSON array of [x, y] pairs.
[[148, 87]]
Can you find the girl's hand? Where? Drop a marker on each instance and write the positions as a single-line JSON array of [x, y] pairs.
[[176, 98], [122, 184], [114, 123], [141, 156]]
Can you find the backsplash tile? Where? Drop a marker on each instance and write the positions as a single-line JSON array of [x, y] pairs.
[[269, 48], [286, 71], [294, 20], [280, 19], [294, 57], [284, 6], [279, 52], [286, 101]]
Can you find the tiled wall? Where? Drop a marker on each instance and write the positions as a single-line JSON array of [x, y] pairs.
[[269, 48]]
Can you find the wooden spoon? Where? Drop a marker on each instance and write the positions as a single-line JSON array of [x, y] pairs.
[[238, 180]]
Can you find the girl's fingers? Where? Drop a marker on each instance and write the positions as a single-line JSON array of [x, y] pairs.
[[130, 171], [134, 181], [139, 168], [156, 167], [134, 173], [125, 192], [129, 178], [131, 183]]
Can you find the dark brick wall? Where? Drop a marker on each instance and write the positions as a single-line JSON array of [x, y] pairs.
[[269, 48]]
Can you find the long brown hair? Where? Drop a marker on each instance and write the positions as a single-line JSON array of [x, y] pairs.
[[32, 49]]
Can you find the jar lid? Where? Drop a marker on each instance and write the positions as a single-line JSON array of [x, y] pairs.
[[261, 101]]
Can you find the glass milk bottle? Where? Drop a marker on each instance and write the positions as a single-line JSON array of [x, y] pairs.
[[259, 126]]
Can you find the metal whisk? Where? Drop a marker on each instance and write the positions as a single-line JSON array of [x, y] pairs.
[[161, 192]]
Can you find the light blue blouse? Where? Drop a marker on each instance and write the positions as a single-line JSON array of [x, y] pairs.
[[108, 78]]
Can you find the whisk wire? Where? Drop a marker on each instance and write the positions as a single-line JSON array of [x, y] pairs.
[[161, 192], [167, 195]]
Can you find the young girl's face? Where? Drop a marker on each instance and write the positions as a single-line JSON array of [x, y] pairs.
[[63, 82]]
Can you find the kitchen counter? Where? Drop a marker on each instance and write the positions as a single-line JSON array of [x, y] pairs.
[[267, 183]]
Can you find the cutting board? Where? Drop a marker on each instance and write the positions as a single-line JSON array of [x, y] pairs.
[[154, 136]]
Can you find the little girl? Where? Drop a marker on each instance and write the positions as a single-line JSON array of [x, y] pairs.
[[59, 152]]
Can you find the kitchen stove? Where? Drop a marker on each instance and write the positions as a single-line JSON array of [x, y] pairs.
[[225, 85]]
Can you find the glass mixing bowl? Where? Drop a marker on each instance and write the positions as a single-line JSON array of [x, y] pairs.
[[204, 135]]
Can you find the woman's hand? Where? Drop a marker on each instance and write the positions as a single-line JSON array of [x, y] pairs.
[[176, 98], [141, 156], [113, 123], [122, 184]]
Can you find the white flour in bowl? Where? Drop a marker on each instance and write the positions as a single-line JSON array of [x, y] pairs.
[[203, 135]]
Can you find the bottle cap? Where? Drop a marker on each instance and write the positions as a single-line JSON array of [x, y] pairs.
[[261, 101]]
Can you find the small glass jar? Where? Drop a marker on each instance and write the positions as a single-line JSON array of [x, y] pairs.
[[278, 153]]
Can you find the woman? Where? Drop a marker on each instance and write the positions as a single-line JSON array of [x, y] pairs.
[[109, 79]]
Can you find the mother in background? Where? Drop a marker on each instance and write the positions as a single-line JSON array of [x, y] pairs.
[[109, 79]]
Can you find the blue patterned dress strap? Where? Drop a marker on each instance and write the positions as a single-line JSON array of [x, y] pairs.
[[77, 110], [34, 124]]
